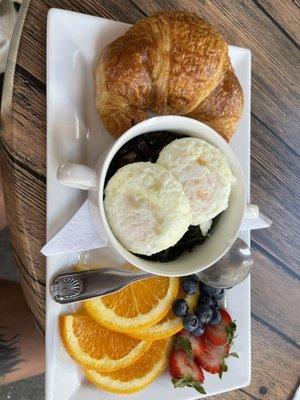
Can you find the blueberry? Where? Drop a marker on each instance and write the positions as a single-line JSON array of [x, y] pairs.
[[210, 291], [204, 313], [180, 307], [194, 278], [190, 322], [198, 331], [208, 301], [218, 295], [216, 317], [216, 305], [189, 286]]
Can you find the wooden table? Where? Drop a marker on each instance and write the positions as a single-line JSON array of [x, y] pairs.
[[269, 29]]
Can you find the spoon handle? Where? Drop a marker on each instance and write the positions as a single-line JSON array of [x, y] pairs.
[[76, 286]]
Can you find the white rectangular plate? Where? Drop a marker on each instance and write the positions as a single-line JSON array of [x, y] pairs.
[[75, 133]]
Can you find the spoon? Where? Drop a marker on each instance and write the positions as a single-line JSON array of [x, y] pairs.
[[231, 269], [71, 287]]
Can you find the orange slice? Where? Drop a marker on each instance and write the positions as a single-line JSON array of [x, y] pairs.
[[169, 325], [137, 306], [97, 347], [138, 375]]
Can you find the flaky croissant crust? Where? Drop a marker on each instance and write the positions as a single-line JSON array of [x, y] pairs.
[[170, 63]]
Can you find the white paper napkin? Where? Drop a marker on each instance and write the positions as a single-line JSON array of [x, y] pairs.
[[80, 234]]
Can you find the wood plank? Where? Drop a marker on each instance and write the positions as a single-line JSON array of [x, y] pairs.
[[274, 294], [275, 187], [275, 365], [275, 83], [234, 395], [287, 15], [27, 140], [32, 50]]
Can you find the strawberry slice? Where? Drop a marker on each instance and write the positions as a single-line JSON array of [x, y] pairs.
[[221, 333], [188, 341], [184, 371], [213, 358]]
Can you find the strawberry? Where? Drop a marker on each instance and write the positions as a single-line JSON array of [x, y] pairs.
[[192, 345], [185, 372], [222, 333], [213, 357]]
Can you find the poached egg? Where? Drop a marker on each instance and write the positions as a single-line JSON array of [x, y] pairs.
[[146, 208], [205, 175]]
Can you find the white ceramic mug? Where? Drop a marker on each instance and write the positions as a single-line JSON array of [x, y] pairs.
[[225, 232]]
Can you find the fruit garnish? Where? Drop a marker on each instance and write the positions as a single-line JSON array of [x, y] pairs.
[[137, 306], [215, 318], [194, 277], [190, 322], [96, 347], [199, 331], [195, 343], [185, 371], [231, 331], [221, 333], [189, 382], [207, 300], [204, 313], [224, 367], [180, 307], [189, 285], [218, 295], [209, 351], [170, 324], [212, 359], [137, 375], [183, 343], [210, 291]]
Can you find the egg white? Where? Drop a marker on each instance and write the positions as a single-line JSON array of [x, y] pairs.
[[205, 175], [146, 208]]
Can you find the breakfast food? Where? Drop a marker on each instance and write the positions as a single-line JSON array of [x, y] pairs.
[[94, 346], [205, 341], [138, 375], [137, 205], [170, 63], [137, 306], [171, 323], [207, 310], [204, 173], [128, 361], [142, 217], [113, 360], [191, 356]]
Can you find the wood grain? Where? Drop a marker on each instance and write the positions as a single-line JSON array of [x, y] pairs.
[[271, 31], [276, 188], [288, 20], [274, 294]]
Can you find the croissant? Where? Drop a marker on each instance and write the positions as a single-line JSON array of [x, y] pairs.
[[169, 63]]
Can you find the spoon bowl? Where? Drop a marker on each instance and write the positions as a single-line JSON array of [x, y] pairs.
[[231, 269]]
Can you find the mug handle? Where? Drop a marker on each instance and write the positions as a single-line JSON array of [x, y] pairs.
[[77, 176], [251, 212]]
